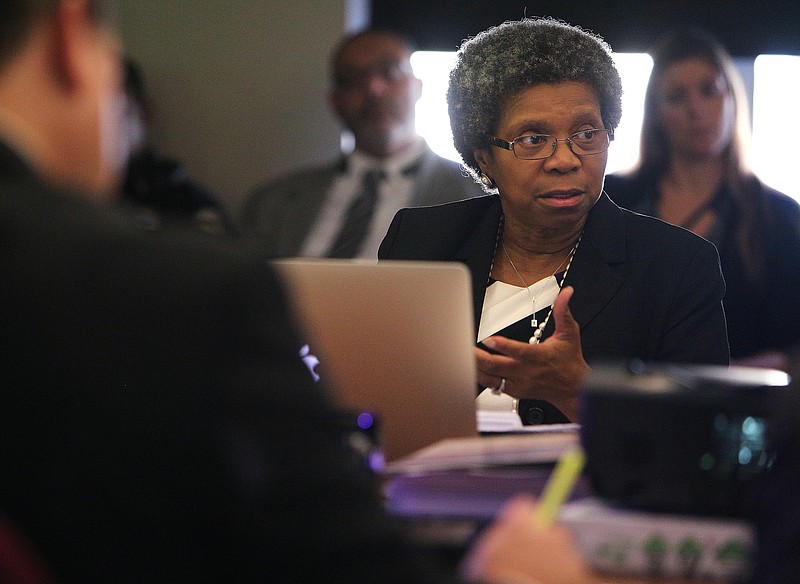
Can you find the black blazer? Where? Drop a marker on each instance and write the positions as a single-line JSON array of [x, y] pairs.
[[643, 288], [157, 424]]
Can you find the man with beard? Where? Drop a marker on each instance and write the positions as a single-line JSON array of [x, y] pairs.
[[344, 208]]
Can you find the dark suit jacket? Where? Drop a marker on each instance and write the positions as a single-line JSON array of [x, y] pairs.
[[643, 288], [156, 423], [279, 215]]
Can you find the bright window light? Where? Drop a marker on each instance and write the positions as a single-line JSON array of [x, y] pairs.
[[775, 92], [433, 123], [634, 69], [776, 85]]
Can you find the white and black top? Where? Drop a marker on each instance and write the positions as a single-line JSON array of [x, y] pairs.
[[507, 312]]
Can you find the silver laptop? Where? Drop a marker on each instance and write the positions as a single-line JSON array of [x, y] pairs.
[[394, 338]]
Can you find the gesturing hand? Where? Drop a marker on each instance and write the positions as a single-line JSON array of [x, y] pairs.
[[553, 370]]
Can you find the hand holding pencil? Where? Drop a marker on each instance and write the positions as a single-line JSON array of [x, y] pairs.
[[508, 551], [560, 485]]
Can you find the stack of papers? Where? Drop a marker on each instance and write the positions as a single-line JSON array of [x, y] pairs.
[[498, 421], [474, 477], [542, 444]]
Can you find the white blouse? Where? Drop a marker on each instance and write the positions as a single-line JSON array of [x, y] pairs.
[[504, 304]]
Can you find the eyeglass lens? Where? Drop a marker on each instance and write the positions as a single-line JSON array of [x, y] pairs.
[[388, 71], [543, 145]]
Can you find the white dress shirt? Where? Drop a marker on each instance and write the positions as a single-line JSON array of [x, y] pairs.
[[394, 193]]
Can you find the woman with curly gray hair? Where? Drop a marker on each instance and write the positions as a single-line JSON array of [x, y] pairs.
[[533, 106]]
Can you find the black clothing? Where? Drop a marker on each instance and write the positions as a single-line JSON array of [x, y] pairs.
[[643, 289], [161, 196], [764, 314], [157, 422]]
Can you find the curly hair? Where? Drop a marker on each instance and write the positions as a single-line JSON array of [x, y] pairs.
[[498, 63]]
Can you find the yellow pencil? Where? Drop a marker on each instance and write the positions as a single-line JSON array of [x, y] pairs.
[[560, 484]]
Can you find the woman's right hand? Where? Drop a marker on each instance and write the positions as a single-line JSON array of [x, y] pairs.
[[552, 370]]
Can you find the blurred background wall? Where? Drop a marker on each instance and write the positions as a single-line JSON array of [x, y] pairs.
[[239, 86]]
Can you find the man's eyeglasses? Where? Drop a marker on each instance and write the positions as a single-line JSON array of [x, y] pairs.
[[388, 71], [540, 146]]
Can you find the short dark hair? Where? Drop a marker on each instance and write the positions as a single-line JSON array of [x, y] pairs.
[[19, 17], [345, 42]]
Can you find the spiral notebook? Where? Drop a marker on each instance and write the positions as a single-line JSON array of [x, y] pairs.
[[394, 338]]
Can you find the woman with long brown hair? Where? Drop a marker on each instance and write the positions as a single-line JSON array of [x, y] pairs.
[[693, 172]]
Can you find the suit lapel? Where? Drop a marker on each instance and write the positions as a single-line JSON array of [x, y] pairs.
[[307, 193], [420, 195], [477, 253], [592, 273]]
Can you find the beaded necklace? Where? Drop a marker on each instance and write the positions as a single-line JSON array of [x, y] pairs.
[[538, 327]]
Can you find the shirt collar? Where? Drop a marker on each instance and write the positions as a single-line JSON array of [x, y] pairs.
[[358, 162]]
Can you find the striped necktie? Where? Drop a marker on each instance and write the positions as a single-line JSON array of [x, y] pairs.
[[358, 217]]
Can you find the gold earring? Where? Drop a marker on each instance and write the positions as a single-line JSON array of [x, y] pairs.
[[487, 182]]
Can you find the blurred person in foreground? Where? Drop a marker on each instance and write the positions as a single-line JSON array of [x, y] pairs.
[[560, 274], [693, 171], [157, 423], [342, 209]]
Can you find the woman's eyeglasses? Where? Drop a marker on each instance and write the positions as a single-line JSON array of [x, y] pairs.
[[540, 146]]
